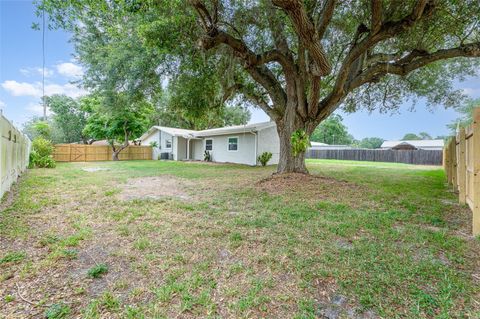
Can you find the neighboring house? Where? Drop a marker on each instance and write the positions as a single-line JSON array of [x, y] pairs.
[[233, 144], [413, 145], [323, 146]]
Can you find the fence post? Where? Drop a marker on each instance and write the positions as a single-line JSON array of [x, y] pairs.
[[476, 172], [453, 145], [461, 167]]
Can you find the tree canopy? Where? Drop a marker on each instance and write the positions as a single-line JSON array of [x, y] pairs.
[[297, 60], [332, 131]]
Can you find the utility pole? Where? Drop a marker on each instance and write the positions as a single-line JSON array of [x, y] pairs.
[[44, 103]]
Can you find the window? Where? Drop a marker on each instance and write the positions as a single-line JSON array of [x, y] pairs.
[[233, 143], [208, 145], [168, 143]]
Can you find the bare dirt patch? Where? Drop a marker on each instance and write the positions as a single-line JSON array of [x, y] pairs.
[[155, 187], [315, 187]]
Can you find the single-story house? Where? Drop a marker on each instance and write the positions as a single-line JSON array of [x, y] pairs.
[[413, 145], [232, 144]]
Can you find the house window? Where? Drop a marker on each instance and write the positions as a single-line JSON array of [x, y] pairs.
[[168, 143], [233, 143], [208, 145]]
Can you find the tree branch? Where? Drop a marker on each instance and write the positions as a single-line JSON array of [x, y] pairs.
[[253, 64], [413, 61], [376, 22], [307, 33], [325, 17]]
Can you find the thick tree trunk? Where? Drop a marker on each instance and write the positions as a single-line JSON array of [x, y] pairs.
[[286, 126]]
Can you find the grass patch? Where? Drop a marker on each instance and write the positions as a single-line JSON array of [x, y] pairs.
[[13, 257], [97, 271]]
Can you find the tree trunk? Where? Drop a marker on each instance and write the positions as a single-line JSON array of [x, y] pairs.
[[286, 126], [115, 155]]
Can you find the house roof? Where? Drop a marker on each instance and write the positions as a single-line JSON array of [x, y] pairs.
[[235, 129], [170, 130], [210, 132], [415, 143]]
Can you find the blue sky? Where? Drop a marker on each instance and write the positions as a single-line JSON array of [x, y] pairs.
[[20, 80]]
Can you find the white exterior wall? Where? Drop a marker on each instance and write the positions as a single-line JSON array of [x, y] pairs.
[[197, 149], [154, 137], [268, 141], [180, 148], [244, 155]]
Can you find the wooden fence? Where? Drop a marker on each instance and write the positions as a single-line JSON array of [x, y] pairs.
[[462, 167], [93, 153], [14, 154], [419, 157]]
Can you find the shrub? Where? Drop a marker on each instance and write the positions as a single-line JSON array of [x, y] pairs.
[[207, 157], [41, 155], [264, 158]]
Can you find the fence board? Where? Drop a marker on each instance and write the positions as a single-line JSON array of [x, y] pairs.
[[418, 157], [94, 153], [462, 167], [14, 154]]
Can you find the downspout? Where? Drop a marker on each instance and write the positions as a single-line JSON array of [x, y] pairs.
[[188, 149], [256, 146]]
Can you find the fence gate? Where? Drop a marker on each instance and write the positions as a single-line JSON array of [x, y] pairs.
[[77, 153]]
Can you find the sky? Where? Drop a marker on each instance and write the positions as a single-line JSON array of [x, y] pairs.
[[21, 76]]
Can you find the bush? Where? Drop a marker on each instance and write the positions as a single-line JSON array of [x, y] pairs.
[[264, 158], [207, 157], [41, 155]]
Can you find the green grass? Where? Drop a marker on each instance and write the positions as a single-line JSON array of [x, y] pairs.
[[388, 237]]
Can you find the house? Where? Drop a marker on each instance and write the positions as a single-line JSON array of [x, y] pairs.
[[413, 145], [233, 144], [323, 146]]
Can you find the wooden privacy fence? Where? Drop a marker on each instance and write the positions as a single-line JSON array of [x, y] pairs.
[[419, 157], [93, 153], [14, 154], [462, 167]]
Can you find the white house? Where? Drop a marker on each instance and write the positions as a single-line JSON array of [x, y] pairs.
[[323, 146], [414, 144], [233, 144]]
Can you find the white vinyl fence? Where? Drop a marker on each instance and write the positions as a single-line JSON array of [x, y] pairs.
[[14, 154]]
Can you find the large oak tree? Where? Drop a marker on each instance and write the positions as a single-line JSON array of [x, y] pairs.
[[301, 60]]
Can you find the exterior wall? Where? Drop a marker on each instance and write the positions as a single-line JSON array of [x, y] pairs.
[[180, 148], [268, 141], [244, 155], [197, 149], [154, 137]]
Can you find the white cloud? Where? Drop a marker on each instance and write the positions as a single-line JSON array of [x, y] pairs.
[[35, 89], [21, 88], [472, 92], [37, 109], [69, 69], [37, 71]]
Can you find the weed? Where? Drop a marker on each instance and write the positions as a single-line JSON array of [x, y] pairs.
[[57, 311], [97, 271], [13, 257]]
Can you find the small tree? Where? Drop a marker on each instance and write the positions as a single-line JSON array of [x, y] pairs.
[[119, 125]]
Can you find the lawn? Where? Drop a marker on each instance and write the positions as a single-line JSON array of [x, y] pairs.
[[155, 239]]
